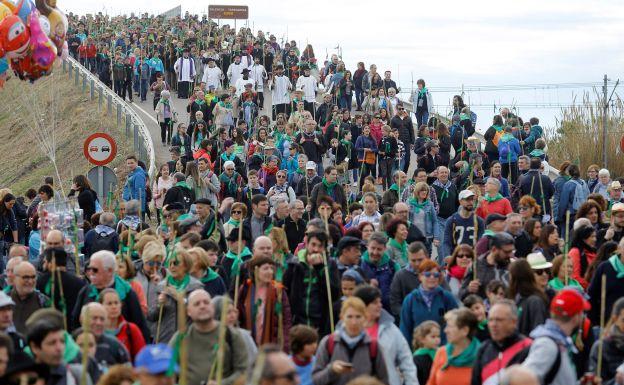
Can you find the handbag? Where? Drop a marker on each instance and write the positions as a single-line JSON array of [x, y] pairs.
[[369, 157]]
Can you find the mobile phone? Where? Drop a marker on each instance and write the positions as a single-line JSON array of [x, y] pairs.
[[348, 365]]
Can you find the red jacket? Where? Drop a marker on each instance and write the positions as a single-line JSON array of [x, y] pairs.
[[575, 256], [91, 51], [130, 336], [501, 206]]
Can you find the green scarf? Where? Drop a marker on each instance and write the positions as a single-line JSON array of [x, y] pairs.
[[395, 187], [489, 233], [483, 324], [329, 186], [617, 265], [497, 128], [225, 157], [233, 222], [493, 199], [465, 358], [210, 275], [400, 246], [417, 206], [225, 105], [179, 285], [183, 184], [121, 286], [425, 352], [557, 284], [300, 171], [237, 261], [422, 91]]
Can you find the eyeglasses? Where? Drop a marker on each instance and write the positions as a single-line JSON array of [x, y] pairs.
[[94, 270], [25, 277], [237, 211], [429, 274], [281, 176], [464, 256], [523, 208], [290, 376], [174, 263], [153, 263], [541, 271]]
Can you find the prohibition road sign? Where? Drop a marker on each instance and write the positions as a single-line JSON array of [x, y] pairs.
[[100, 149]]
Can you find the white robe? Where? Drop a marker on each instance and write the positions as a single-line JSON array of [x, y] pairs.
[[281, 87], [240, 85], [212, 77], [309, 86], [258, 73], [234, 72], [185, 68]]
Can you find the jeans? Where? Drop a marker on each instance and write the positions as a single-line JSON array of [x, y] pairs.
[[359, 98], [422, 117], [386, 166], [144, 87], [346, 101], [119, 85], [165, 131], [406, 161], [135, 83], [442, 249]]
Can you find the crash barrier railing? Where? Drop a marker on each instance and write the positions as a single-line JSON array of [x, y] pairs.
[[134, 126]]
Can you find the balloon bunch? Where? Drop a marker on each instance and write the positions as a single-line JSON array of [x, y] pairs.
[[32, 35]]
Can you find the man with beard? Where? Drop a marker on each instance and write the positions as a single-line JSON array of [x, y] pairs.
[[204, 332], [459, 228]]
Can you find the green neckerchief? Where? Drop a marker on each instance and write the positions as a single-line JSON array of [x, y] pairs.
[[495, 198], [537, 153], [7, 289], [329, 186], [497, 127], [401, 246], [483, 324], [617, 265], [425, 352], [179, 285], [465, 358], [422, 91], [227, 157], [558, 284], [210, 275], [200, 101], [300, 171], [233, 222], [489, 233], [416, 205], [121, 286], [385, 259], [183, 184], [225, 105], [237, 261], [395, 187]]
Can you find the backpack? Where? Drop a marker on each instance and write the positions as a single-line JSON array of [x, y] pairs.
[[580, 194], [187, 198], [497, 137], [504, 151], [372, 349], [103, 242], [552, 372]]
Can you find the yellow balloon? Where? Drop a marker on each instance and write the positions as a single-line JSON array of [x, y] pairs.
[[4, 11]]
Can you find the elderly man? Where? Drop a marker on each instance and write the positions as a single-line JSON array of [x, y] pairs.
[[131, 219], [307, 183], [8, 278], [281, 210], [401, 211], [294, 224], [56, 240], [102, 237], [203, 332], [6, 321], [392, 195], [108, 351], [499, 351], [27, 299], [101, 272]]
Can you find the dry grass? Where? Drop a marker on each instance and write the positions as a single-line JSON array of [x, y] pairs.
[[578, 135], [72, 114]]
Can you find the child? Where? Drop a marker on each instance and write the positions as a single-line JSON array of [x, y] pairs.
[[291, 161], [298, 174], [348, 283], [388, 149], [355, 209], [538, 152], [426, 341], [477, 306], [256, 160], [303, 343], [344, 154], [253, 187], [494, 291]]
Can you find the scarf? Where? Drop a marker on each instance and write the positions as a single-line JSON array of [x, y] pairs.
[[183, 184], [121, 286], [281, 189], [225, 105], [617, 265], [233, 222], [329, 186], [422, 92], [237, 261], [457, 272], [465, 358], [493, 199], [270, 170], [402, 247], [497, 128], [427, 295], [351, 341], [445, 188], [558, 284], [483, 324], [416, 205], [395, 187], [131, 221], [425, 352], [210, 275], [229, 182], [179, 285], [225, 157], [300, 171]]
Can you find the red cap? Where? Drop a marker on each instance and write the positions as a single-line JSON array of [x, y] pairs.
[[569, 302]]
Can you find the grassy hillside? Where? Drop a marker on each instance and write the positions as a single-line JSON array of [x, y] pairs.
[[24, 164]]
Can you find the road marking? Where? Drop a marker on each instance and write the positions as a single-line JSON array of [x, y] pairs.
[[145, 112]]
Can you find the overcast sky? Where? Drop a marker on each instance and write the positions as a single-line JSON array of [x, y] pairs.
[[448, 43]]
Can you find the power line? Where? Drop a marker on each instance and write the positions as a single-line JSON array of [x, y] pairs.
[[508, 87]]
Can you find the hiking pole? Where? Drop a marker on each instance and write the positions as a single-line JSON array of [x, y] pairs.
[[182, 338], [565, 246], [217, 365], [325, 261], [474, 241], [603, 294], [238, 261], [84, 347], [52, 278]]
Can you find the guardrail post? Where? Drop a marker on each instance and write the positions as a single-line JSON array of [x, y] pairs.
[[128, 125], [84, 82], [71, 67], [119, 107], [109, 104], [92, 89], [136, 138], [64, 66], [77, 77], [100, 98]]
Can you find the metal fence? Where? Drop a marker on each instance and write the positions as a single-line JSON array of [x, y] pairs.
[[127, 119]]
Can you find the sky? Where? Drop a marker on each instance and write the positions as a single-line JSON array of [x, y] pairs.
[[447, 43]]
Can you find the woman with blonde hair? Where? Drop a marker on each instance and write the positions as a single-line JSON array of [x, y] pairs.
[[281, 252], [127, 271], [423, 215], [203, 263], [238, 212]]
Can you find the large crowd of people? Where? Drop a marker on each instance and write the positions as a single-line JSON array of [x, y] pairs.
[[284, 242]]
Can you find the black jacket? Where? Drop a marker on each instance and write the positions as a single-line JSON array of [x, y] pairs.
[[405, 127], [447, 202], [295, 231], [71, 285], [86, 201], [503, 353], [389, 146], [247, 234], [180, 194], [338, 196], [309, 185], [305, 285], [530, 185]]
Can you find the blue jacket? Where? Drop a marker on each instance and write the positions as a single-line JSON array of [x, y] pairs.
[[135, 186], [514, 149], [383, 272], [363, 142], [566, 199], [535, 134], [431, 218], [415, 311], [157, 65]]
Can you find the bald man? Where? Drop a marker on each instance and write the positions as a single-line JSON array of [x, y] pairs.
[[109, 351], [56, 239], [27, 299], [263, 247], [518, 375]]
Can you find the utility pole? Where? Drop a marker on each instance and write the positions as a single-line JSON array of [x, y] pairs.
[[605, 111]]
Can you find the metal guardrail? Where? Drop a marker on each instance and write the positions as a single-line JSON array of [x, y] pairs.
[[552, 172], [134, 125]]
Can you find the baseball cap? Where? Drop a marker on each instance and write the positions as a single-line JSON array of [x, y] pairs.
[[5, 300], [538, 261], [568, 302], [347, 241], [310, 165], [155, 359], [494, 217], [618, 207], [465, 194]]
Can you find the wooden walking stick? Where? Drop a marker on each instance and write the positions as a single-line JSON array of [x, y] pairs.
[[238, 261], [566, 247], [63, 303], [84, 347], [474, 243], [327, 284], [181, 336], [603, 294]]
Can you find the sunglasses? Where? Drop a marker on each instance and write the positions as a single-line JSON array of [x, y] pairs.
[[174, 263], [281, 176], [153, 263], [429, 274], [237, 212], [523, 208], [30, 380], [94, 270], [464, 256], [542, 271]]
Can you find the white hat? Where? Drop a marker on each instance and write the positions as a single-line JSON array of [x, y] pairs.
[[5, 300], [310, 165], [616, 208], [538, 261], [465, 194]]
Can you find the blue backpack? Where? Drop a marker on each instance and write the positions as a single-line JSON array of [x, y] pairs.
[[504, 151], [581, 192]]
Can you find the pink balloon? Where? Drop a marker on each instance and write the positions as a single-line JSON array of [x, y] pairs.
[[43, 51]]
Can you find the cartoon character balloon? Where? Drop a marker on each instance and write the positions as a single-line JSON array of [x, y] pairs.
[[14, 37], [42, 53]]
